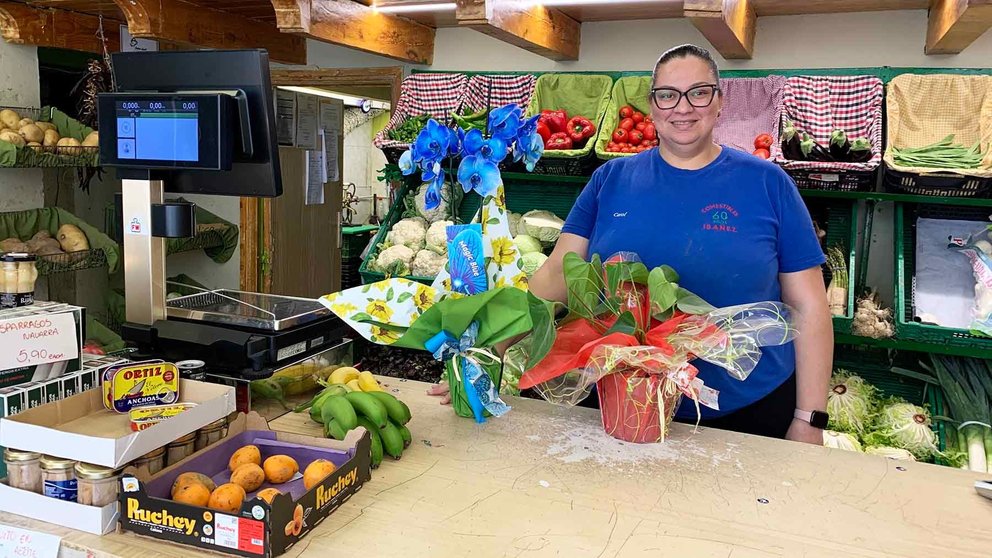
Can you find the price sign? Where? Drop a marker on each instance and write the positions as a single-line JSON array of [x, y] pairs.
[[21, 543], [37, 339]]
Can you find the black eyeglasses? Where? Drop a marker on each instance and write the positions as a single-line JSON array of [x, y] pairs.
[[700, 96]]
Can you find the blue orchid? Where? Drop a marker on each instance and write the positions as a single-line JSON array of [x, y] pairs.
[[432, 142], [527, 128], [432, 197], [454, 141], [406, 163], [504, 122], [477, 173], [493, 149], [529, 148]]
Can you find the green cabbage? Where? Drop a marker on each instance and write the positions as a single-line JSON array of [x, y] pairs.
[[904, 425], [850, 402], [542, 225], [531, 262], [526, 244]]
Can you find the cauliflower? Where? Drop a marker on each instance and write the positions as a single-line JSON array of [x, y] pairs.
[[394, 260], [408, 232], [428, 263], [437, 237], [513, 220], [439, 212], [542, 225]]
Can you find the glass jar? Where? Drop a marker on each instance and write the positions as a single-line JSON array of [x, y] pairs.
[[23, 470], [97, 485], [180, 449], [153, 460], [210, 434], [18, 277], [59, 478]]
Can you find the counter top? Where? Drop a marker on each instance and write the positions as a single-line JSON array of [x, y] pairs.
[[548, 481]]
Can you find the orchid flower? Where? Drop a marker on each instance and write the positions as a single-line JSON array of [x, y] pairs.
[[504, 122], [493, 149], [477, 173]]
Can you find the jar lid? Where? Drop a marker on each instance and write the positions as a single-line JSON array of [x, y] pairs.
[[153, 454], [56, 463], [94, 472], [19, 257], [184, 440], [13, 455]]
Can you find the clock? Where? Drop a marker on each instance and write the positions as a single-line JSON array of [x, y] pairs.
[[366, 105]]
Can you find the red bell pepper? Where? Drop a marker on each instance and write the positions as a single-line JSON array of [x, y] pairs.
[[559, 140], [580, 128], [543, 131], [556, 120]]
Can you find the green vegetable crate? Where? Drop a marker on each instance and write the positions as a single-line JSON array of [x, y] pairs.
[[579, 95], [628, 90], [522, 195], [839, 218], [905, 268]]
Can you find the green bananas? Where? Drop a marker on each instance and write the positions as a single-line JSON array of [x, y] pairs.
[[392, 440], [366, 404], [376, 440], [384, 416], [337, 408], [397, 410]]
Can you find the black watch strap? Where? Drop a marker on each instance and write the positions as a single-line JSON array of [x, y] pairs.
[[817, 419]]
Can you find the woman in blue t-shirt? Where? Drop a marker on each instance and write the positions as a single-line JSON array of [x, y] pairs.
[[735, 229]]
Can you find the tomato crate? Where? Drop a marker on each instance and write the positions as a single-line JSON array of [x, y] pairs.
[[839, 219], [905, 276]]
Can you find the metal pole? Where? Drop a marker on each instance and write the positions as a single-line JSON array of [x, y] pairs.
[[144, 254]]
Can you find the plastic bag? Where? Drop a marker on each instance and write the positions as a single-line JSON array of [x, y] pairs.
[[977, 248]]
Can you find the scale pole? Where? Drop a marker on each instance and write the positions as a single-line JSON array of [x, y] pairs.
[[144, 254]]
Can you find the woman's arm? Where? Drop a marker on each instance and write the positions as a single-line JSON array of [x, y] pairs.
[[804, 291], [549, 281]]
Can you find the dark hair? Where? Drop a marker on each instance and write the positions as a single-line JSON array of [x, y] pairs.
[[685, 51]]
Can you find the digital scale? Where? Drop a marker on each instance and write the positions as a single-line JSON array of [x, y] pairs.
[[200, 122]]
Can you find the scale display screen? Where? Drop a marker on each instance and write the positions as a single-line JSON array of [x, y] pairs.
[[158, 130]]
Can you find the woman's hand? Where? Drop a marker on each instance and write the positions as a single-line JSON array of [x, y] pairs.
[[442, 391], [802, 431]]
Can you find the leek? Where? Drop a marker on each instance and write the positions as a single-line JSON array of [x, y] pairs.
[[969, 405]]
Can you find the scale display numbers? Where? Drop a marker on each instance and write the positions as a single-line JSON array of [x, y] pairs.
[[158, 130]]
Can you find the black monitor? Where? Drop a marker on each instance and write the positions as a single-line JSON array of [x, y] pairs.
[[184, 116]]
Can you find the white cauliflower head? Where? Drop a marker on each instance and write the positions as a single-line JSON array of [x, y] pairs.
[[409, 232], [394, 260], [437, 237], [428, 264], [439, 212]]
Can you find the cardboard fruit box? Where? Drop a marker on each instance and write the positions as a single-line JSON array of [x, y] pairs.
[[258, 528]]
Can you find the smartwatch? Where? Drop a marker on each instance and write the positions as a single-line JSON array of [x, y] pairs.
[[817, 419]]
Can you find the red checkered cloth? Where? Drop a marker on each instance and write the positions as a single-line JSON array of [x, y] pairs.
[[751, 106], [820, 104], [495, 90], [435, 94]]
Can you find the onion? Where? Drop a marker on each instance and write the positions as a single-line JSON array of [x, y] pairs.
[[890, 452], [850, 402], [904, 425], [840, 440]]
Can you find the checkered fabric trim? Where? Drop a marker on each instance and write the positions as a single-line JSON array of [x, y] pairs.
[[751, 106], [434, 94], [498, 90], [820, 104]]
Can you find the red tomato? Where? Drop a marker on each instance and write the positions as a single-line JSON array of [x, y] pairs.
[[763, 141], [626, 111], [646, 143], [625, 150], [636, 137], [620, 135], [650, 132], [640, 126], [611, 146], [654, 142], [762, 152], [649, 120], [627, 124], [638, 117]]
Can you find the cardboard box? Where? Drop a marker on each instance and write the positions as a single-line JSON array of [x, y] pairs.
[[98, 521], [81, 428], [41, 372], [259, 529]]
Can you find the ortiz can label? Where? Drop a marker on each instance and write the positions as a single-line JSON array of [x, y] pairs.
[[141, 385]]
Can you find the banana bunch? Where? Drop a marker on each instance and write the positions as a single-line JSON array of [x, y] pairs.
[[340, 408], [355, 380]]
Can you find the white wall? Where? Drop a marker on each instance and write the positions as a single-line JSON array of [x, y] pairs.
[[362, 162], [197, 264], [20, 188]]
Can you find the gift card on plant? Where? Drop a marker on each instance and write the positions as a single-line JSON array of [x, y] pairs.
[[466, 259]]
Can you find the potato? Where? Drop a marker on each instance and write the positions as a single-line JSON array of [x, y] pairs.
[[44, 246], [69, 146], [51, 138], [246, 454], [228, 497], [24, 122], [92, 140], [41, 235], [13, 245], [248, 476], [35, 145], [280, 468], [10, 119], [45, 126], [12, 137], [32, 133], [72, 238]]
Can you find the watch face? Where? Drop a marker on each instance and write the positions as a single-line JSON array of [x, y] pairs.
[[819, 419]]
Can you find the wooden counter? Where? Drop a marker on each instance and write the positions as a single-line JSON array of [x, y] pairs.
[[547, 481]]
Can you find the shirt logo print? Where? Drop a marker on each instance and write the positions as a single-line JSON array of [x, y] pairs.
[[619, 214], [720, 217]]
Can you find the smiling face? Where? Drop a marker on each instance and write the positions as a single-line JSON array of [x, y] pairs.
[[685, 125]]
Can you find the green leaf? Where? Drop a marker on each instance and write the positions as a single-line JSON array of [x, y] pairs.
[[389, 295], [404, 297], [584, 284], [366, 288], [362, 317], [542, 315], [625, 324], [670, 273], [692, 304], [663, 293], [618, 273], [493, 221]]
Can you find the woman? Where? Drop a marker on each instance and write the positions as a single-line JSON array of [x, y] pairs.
[[735, 229]]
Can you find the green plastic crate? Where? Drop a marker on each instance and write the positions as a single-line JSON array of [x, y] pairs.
[[355, 239], [840, 219], [905, 269]]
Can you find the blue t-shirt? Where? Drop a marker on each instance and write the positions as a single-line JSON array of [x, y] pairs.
[[728, 229]]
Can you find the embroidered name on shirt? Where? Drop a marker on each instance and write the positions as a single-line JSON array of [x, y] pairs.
[[720, 217], [624, 214]]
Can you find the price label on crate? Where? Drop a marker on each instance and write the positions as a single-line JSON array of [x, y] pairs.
[[39, 339], [21, 543]]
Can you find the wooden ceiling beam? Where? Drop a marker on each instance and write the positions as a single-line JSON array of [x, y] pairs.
[[355, 25], [955, 24], [190, 24], [292, 16], [544, 31], [23, 25], [729, 25]]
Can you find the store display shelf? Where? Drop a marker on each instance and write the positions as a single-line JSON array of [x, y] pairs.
[[891, 197], [910, 345], [202, 241], [72, 261]]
